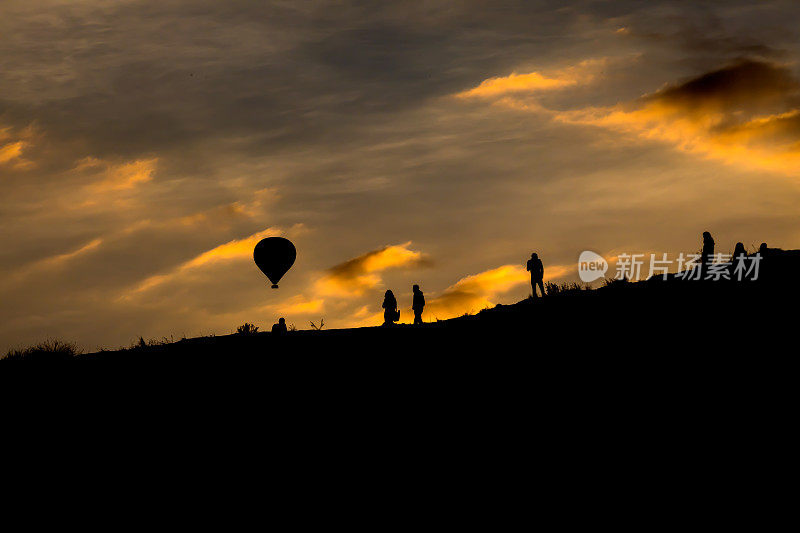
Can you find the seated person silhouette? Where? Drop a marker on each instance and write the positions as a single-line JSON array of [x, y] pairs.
[[536, 268], [764, 251], [280, 327], [390, 312], [738, 259], [418, 304]]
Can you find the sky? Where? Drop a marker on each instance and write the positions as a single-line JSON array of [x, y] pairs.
[[146, 147]]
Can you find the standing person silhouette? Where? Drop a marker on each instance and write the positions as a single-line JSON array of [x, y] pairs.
[[418, 304], [390, 312], [707, 255], [536, 268]]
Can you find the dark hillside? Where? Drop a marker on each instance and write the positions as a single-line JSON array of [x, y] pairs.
[[655, 318]]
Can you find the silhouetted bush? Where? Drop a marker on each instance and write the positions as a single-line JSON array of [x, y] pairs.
[[316, 327], [614, 283], [247, 329], [142, 344], [564, 288], [49, 350]]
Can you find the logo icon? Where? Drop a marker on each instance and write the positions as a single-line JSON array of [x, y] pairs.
[[591, 266]]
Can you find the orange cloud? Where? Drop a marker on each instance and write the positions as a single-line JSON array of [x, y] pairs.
[[583, 72], [355, 276], [468, 295], [479, 291], [748, 144], [348, 280], [11, 151], [113, 178], [236, 249], [48, 263], [297, 305], [124, 176], [62, 258], [253, 207], [746, 114], [514, 82]]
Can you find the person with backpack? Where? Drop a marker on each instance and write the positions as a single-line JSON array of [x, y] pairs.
[[390, 312]]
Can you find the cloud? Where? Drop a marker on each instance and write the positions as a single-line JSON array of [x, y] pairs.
[[122, 176], [743, 114], [297, 305], [338, 288], [470, 294], [745, 86], [65, 257], [48, 264], [514, 83], [353, 277], [236, 249], [746, 113], [476, 292], [11, 151], [21, 140], [479, 291]]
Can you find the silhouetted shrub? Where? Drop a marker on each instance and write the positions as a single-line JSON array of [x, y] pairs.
[[247, 329], [614, 283], [142, 344], [49, 350], [564, 288], [316, 327]]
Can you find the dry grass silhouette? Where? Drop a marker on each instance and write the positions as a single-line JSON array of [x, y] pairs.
[[247, 329], [49, 350]]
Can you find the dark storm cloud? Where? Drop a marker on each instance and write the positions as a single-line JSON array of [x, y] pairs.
[[759, 103], [746, 85]]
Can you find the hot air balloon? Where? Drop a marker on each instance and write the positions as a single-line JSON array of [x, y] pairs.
[[274, 256]]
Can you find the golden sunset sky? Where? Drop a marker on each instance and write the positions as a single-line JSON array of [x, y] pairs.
[[146, 146]]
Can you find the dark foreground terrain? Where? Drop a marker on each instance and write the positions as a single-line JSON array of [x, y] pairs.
[[671, 380]]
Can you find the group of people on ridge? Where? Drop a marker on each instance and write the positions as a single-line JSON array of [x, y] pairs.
[[739, 254], [390, 312], [535, 266]]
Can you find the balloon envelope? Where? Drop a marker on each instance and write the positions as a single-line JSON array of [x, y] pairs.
[[274, 256]]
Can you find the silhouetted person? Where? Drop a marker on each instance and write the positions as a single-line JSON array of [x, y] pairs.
[[390, 312], [418, 305], [738, 259], [707, 255], [536, 268], [280, 327]]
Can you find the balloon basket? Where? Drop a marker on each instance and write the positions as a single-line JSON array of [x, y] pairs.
[[274, 286]]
